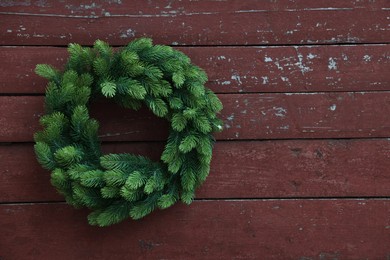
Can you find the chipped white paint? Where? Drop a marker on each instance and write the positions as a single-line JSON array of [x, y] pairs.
[[344, 56], [333, 107], [221, 57], [128, 33], [265, 80], [303, 68], [91, 6], [280, 111], [175, 43], [267, 59], [226, 82], [9, 31], [26, 35], [332, 65], [285, 127], [118, 134], [278, 65], [230, 117], [237, 78], [285, 79], [168, 6], [301, 93], [94, 16], [311, 56], [328, 9], [367, 58], [38, 35]]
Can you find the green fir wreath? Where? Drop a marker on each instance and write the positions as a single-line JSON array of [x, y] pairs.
[[119, 186]]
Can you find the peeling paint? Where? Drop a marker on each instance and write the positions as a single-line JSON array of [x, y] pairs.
[[332, 65], [230, 117], [265, 80], [367, 58], [280, 111], [267, 59], [278, 65], [128, 33], [303, 68], [333, 107], [38, 35], [14, 3], [237, 78], [285, 79], [311, 56]]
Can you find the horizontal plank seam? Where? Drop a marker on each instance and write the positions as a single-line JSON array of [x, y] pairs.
[[260, 199], [241, 93], [364, 43], [234, 140], [309, 45], [170, 15], [361, 91]]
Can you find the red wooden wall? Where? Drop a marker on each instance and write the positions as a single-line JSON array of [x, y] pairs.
[[302, 170]]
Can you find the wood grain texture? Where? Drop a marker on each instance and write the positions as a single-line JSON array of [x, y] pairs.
[[196, 23], [247, 116], [262, 169], [237, 70], [258, 229], [300, 171], [172, 8]]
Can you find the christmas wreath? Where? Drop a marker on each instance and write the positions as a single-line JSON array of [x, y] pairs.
[[119, 186]]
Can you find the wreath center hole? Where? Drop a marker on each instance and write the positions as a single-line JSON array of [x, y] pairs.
[[123, 130]]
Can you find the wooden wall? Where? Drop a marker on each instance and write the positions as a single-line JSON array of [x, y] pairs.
[[301, 171]]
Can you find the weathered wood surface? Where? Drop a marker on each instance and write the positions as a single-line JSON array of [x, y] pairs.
[[195, 23], [178, 8], [256, 229], [246, 116], [320, 193], [253, 169], [237, 70]]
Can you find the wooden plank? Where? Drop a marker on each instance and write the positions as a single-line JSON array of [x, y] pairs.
[[257, 229], [263, 169], [236, 70], [167, 7], [248, 116], [196, 23]]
